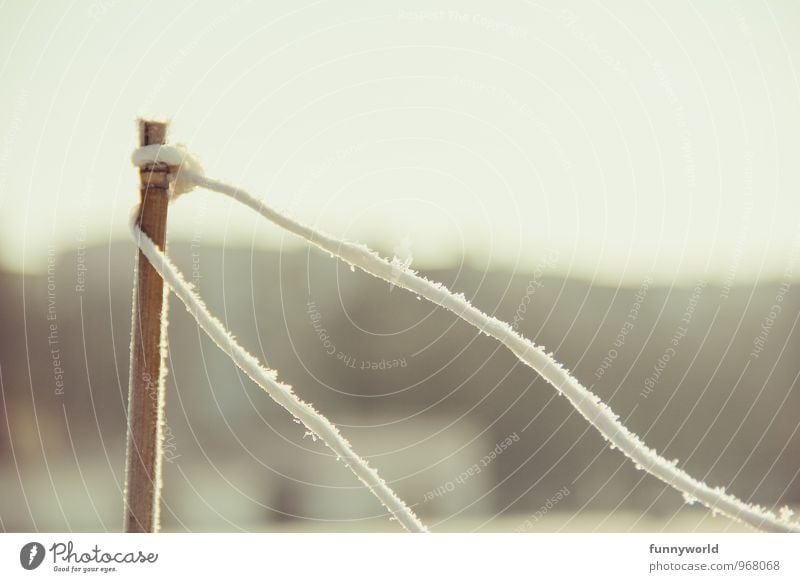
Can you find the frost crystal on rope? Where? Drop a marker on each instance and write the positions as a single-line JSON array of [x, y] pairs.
[[401, 261]]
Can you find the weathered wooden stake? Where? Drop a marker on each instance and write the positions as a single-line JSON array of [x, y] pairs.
[[146, 383]]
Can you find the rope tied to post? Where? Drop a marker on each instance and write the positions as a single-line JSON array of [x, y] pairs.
[[179, 161], [183, 174], [188, 174]]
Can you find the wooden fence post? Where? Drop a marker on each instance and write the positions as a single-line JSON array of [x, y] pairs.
[[148, 334]]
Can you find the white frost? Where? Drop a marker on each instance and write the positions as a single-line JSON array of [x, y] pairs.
[[586, 402]]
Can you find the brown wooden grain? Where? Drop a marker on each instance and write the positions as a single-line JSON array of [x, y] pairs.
[[146, 390]]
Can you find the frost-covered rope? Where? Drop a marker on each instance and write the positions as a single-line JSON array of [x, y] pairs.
[[585, 401], [281, 393]]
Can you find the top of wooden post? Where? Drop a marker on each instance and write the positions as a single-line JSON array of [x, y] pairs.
[[153, 175], [152, 132]]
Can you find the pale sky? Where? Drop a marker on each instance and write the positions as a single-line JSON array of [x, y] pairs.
[[629, 138]]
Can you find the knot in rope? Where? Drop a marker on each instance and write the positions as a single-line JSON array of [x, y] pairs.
[[182, 165]]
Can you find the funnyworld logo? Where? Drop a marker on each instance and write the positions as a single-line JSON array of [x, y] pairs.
[[31, 555]]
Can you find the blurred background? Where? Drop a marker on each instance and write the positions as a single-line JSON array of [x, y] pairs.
[[619, 182]]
